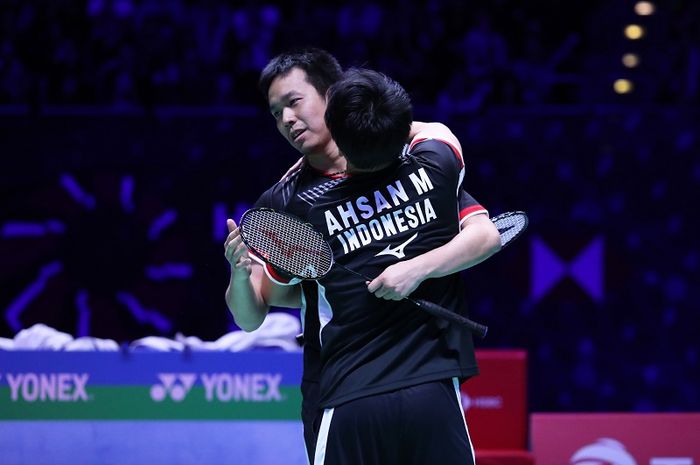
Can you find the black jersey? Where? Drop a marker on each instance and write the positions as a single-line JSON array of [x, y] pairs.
[[295, 195], [371, 345]]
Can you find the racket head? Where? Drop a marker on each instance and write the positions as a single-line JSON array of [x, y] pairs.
[[286, 242], [510, 225]]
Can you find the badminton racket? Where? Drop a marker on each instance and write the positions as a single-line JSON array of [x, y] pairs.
[[293, 246], [510, 225]]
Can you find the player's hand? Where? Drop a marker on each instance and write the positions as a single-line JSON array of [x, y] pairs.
[[293, 169], [236, 252], [397, 281]]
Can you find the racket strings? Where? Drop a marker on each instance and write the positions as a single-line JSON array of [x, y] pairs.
[[287, 243], [510, 226]]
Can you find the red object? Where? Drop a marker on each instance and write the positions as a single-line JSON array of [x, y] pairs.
[[503, 457], [616, 438], [495, 402]]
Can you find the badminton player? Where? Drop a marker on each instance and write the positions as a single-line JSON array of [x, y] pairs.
[[390, 374]]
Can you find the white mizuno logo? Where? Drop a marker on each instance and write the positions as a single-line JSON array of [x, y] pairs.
[[397, 251]]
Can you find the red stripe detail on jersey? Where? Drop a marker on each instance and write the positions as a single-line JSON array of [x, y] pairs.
[[275, 275], [332, 175], [469, 210], [456, 152]]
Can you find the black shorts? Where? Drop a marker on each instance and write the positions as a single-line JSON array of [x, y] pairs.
[[310, 415], [419, 425]]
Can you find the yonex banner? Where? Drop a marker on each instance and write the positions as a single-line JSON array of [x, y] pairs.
[[174, 408], [146, 385]]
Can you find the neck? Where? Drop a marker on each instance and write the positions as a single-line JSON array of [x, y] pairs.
[[327, 162], [354, 170]]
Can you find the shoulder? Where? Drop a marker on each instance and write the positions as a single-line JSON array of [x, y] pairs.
[[435, 131], [279, 194], [436, 152]]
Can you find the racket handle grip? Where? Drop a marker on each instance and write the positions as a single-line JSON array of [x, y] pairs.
[[450, 316]]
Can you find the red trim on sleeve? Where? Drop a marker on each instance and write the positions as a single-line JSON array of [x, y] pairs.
[[456, 152], [415, 142], [470, 210], [275, 275]]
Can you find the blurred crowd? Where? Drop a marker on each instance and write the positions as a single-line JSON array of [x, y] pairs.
[[460, 55]]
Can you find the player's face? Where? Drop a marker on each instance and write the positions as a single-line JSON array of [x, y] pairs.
[[298, 110]]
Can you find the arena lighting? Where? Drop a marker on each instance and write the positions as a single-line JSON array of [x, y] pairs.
[[623, 86], [634, 31], [630, 60], [644, 8]]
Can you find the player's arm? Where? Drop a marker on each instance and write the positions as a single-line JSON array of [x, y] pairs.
[[250, 292], [477, 241], [422, 131]]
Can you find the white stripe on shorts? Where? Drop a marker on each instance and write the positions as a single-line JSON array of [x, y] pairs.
[[322, 441], [455, 383]]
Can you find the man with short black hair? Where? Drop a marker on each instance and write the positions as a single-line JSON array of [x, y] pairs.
[[390, 373]]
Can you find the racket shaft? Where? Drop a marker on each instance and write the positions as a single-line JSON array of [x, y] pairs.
[[434, 309], [350, 270], [452, 317]]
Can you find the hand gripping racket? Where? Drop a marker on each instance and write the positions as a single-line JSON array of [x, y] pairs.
[[296, 248]]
